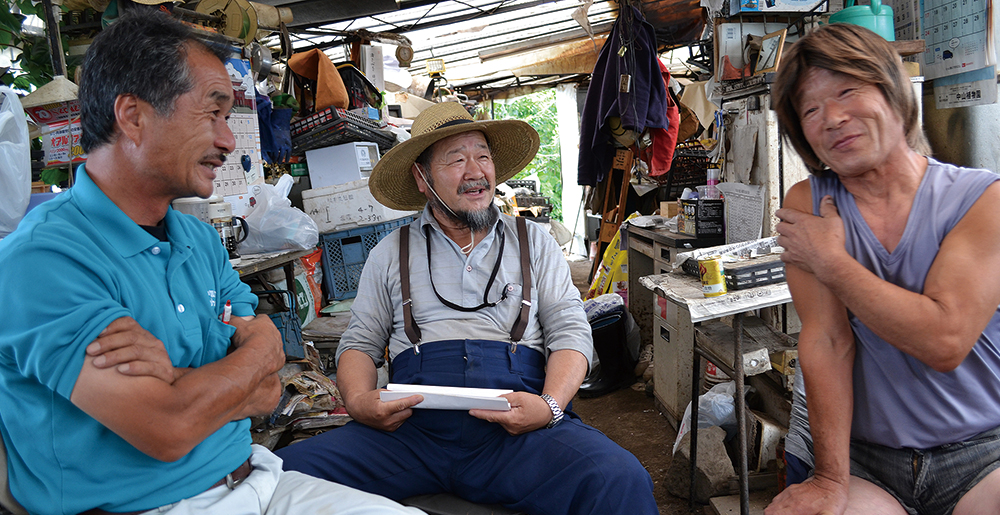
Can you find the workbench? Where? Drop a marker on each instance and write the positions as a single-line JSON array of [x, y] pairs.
[[254, 264], [651, 251], [683, 293]]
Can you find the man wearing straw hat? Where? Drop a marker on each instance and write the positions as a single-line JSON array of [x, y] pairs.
[[123, 387], [468, 297]]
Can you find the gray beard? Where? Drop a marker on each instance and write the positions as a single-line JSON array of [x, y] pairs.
[[476, 221]]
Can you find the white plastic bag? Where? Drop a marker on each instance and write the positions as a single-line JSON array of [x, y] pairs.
[[716, 407], [15, 162], [276, 225]]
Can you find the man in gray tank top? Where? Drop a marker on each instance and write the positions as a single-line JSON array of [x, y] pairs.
[[890, 258]]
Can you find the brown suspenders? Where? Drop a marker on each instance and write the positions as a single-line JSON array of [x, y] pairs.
[[520, 324]]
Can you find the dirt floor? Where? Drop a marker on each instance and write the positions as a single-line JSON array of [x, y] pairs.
[[631, 419]]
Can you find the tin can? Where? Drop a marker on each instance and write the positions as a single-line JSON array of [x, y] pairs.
[[713, 281]]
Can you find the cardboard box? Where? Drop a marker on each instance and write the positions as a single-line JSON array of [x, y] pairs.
[[669, 209], [702, 217], [344, 206]]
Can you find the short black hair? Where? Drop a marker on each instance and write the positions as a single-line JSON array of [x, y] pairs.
[[143, 53]]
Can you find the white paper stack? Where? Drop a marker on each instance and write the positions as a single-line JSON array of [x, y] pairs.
[[449, 397]]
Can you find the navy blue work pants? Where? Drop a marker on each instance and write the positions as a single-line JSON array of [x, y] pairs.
[[571, 469]]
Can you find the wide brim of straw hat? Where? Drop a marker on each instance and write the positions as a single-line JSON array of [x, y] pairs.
[[513, 144]]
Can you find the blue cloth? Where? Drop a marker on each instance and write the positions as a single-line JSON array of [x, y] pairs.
[[75, 264], [898, 400], [570, 469], [267, 148], [644, 105], [796, 470]]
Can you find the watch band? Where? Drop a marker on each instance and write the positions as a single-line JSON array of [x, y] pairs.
[[557, 412]]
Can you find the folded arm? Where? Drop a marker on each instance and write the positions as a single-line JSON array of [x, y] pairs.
[[167, 419], [939, 326]]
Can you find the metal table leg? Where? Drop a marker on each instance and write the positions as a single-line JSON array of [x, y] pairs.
[[741, 414], [695, 386], [289, 268]]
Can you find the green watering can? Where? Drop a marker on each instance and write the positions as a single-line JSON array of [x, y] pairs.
[[875, 17]]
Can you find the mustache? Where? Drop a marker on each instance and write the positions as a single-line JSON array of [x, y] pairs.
[[474, 185]]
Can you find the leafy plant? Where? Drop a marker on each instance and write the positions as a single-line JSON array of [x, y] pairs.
[[32, 66], [539, 111]]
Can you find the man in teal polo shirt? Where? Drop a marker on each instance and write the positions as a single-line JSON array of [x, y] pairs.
[[121, 390]]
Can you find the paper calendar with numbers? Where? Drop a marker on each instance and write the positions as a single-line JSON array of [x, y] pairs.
[[958, 36], [243, 166]]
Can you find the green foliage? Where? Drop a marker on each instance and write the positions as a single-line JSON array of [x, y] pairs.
[[54, 175], [539, 111], [35, 58]]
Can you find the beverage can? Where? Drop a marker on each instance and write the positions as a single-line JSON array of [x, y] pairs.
[[713, 280]]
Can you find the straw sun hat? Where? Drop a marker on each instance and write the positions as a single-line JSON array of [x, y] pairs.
[[513, 144]]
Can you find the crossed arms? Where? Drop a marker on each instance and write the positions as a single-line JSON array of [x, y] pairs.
[[128, 384]]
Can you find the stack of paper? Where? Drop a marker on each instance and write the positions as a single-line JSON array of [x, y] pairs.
[[449, 397]]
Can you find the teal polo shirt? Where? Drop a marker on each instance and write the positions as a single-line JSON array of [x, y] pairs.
[[75, 264]]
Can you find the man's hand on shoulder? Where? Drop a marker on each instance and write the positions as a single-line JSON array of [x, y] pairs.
[[528, 412], [814, 496], [811, 242], [133, 350], [369, 409]]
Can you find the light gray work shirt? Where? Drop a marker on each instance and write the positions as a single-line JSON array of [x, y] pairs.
[[556, 320]]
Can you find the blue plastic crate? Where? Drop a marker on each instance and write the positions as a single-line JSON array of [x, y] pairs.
[[345, 253]]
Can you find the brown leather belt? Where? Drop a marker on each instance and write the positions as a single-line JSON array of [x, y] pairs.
[[231, 480]]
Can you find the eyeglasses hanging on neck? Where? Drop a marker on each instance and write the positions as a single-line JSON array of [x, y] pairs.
[[496, 268]]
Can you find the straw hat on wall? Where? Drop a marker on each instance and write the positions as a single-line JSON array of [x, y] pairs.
[[513, 144]]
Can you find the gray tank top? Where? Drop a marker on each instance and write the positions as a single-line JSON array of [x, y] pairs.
[[899, 401]]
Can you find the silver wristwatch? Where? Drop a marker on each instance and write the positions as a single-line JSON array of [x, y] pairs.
[[557, 412]]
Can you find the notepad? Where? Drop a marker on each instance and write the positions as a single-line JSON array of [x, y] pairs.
[[449, 397]]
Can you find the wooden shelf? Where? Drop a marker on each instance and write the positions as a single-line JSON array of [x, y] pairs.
[[909, 47]]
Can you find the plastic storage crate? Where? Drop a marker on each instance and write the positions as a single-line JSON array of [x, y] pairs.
[[345, 253], [334, 126], [689, 169]]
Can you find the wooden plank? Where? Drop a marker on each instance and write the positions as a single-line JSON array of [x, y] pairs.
[[641, 245], [763, 335], [730, 504], [776, 399], [717, 339], [909, 47]]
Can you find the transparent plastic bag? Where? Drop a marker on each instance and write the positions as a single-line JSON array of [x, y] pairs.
[[15, 162], [276, 225], [716, 407]]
